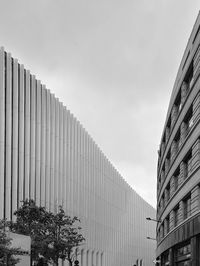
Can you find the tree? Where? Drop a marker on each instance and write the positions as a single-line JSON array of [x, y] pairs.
[[29, 216], [53, 236], [31, 220], [65, 237], [7, 253]]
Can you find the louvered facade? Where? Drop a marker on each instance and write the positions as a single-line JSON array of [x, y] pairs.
[[47, 155]]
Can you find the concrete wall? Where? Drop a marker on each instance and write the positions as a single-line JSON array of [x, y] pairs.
[[24, 243], [47, 155]]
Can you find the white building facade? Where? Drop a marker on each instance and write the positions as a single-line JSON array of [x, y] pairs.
[[47, 155]]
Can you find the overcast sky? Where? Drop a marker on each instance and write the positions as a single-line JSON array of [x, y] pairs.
[[112, 63]]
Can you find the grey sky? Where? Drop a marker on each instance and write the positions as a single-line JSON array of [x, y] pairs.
[[112, 63]]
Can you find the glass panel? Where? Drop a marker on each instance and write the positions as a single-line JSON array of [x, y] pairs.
[[184, 263], [183, 250]]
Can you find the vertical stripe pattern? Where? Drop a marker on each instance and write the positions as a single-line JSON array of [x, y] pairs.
[[48, 156]]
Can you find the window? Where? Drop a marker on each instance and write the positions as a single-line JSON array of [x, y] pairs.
[[176, 176], [180, 107], [177, 102], [188, 120], [159, 183], [167, 161], [167, 224], [176, 182], [168, 128], [197, 33], [186, 60], [177, 140], [159, 157], [162, 145], [183, 255], [165, 258], [161, 231], [189, 75], [187, 207], [187, 165], [163, 174], [176, 211], [163, 201], [158, 235], [167, 192]]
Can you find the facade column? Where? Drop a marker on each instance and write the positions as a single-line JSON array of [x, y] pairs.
[[94, 258], [14, 139], [27, 136], [2, 131], [66, 263], [84, 257], [194, 254], [21, 136], [103, 259], [89, 258], [99, 259], [171, 262], [60, 262], [8, 138], [78, 256], [158, 263]]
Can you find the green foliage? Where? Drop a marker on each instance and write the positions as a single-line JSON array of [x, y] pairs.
[[65, 236], [6, 251], [30, 218], [54, 236]]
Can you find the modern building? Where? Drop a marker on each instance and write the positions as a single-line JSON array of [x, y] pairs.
[[47, 155], [178, 184]]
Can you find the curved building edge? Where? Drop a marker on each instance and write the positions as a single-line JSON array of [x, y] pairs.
[[178, 174]]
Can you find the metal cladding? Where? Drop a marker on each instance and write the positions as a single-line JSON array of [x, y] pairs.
[[178, 184], [47, 155]]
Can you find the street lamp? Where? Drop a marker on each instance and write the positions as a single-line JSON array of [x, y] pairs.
[[151, 219], [157, 262], [151, 238]]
